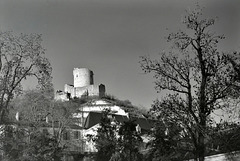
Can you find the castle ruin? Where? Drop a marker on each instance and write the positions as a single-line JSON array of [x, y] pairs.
[[83, 85]]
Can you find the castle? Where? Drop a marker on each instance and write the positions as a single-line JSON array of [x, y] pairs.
[[83, 85]]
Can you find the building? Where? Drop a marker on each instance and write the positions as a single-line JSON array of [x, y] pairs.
[[143, 126], [83, 85], [96, 105]]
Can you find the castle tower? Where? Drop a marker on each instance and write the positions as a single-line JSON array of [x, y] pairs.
[[83, 85], [82, 77]]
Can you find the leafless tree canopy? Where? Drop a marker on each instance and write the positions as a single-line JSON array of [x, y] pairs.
[[197, 76], [21, 56]]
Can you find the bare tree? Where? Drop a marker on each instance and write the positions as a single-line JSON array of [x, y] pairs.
[[196, 75], [21, 56], [39, 128]]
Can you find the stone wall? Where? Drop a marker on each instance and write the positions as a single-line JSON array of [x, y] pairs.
[[60, 95], [82, 77], [68, 88], [91, 90], [102, 90]]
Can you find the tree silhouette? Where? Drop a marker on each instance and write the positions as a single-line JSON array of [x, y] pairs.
[[196, 75], [21, 56]]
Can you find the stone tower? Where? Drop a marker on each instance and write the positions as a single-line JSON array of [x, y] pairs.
[[82, 77]]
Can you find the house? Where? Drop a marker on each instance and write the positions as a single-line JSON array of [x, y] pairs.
[[96, 105], [143, 126]]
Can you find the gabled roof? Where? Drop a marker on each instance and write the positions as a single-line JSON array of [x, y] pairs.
[[98, 102], [106, 102], [94, 118]]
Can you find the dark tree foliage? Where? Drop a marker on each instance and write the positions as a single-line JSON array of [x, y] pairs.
[[166, 143], [234, 59], [197, 77], [23, 145], [24, 137], [225, 138], [33, 106], [43, 147], [106, 138], [128, 144], [115, 141]]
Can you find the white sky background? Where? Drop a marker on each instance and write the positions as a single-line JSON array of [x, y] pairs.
[[108, 36]]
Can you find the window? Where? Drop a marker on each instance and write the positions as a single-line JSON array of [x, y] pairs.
[[76, 134], [9, 131], [45, 131], [66, 135], [20, 146]]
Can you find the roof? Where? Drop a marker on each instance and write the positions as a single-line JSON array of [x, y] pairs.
[[94, 118], [111, 102], [43, 124], [98, 102]]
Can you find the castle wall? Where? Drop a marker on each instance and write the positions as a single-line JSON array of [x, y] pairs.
[[102, 90], [60, 95], [80, 91], [68, 88], [82, 77], [91, 90]]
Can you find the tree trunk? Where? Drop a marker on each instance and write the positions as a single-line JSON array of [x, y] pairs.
[[201, 150], [201, 137], [1, 116]]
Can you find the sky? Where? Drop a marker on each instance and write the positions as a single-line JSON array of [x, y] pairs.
[[109, 36]]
